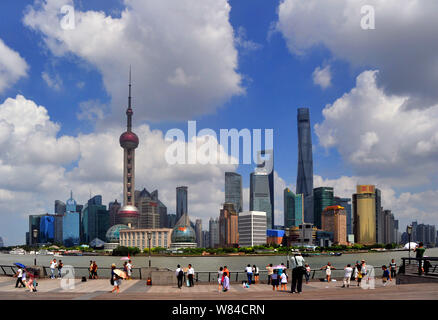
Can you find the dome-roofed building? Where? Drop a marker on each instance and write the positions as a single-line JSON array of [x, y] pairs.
[[183, 235], [113, 236]]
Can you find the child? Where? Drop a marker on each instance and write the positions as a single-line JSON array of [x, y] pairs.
[[283, 279], [307, 274], [347, 276], [386, 276], [226, 282], [274, 280]]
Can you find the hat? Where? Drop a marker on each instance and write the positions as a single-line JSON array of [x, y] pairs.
[[113, 265]]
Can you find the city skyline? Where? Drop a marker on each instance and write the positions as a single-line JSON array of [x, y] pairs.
[[367, 125]]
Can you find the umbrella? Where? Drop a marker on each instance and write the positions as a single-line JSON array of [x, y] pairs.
[[125, 258], [413, 245], [120, 273], [279, 267], [20, 265]]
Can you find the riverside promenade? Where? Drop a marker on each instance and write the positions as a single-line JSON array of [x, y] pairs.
[[138, 290]]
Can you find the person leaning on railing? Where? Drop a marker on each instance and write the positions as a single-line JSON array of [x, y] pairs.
[[419, 256]]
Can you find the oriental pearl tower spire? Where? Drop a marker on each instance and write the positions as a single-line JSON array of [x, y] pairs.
[[128, 214]]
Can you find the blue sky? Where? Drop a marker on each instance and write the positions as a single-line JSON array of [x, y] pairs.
[[278, 50]]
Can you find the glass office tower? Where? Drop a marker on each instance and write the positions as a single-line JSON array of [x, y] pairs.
[[47, 229], [181, 201], [259, 196], [233, 190], [322, 198]]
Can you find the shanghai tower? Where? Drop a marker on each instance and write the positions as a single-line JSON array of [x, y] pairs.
[[305, 163]]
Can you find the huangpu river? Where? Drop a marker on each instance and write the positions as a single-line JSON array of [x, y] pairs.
[[212, 263]]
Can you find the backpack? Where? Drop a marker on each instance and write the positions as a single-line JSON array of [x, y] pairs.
[[180, 273]]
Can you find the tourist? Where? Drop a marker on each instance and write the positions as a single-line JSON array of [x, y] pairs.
[[348, 270], [419, 253], [31, 283], [60, 265], [393, 267], [386, 276], [226, 282], [129, 270], [248, 271], [179, 276], [19, 275], [283, 281], [220, 274], [256, 273], [328, 270], [94, 270], [270, 272], [190, 274], [227, 271], [90, 270], [281, 270], [116, 280], [23, 277], [307, 274], [113, 267], [357, 273], [274, 279], [298, 271], [52, 268], [363, 270]]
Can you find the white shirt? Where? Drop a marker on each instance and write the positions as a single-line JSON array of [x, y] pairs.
[[248, 269], [191, 271], [129, 266], [20, 273], [298, 263], [52, 264], [177, 271], [283, 278], [348, 272], [24, 276]]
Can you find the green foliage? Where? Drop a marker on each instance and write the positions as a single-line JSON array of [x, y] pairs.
[[124, 251]]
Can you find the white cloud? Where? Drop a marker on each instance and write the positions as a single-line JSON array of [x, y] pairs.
[[322, 77], [54, 82], [12, 66], [182, 53], [403, 46], [376, 136]]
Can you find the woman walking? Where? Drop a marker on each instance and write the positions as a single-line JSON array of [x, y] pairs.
[[255, 270], [220, 274]]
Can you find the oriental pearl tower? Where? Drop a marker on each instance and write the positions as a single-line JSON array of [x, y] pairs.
[[128, 214]]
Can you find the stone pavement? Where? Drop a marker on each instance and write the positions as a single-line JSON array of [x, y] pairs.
[[137, 290]]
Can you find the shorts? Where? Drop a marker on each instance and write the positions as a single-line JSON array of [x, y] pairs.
[[274, 282], [219, 281]]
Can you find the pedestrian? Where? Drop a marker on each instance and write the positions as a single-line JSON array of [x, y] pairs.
[[90, 270], [179, 275], [256, 273], [298, 271], [94, 270], [248, 271], [419, 253], [270, 272], [226, 282], [226, 271], [274, 279], [358, 273], [129, 270], [113, 267], [31, 283], [385, 276], [307, 274], [60, 265], [364, 271], [283, 281], [393, 268], [348, 270], [19, 275], [116, 280], [328, 270], [52, 268], [23, 277], [190, 274], [220, 274]]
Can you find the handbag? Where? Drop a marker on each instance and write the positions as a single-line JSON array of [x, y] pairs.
[[301, 269]]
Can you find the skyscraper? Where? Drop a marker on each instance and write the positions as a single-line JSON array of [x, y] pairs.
[[95, 220], [59, 207], [149, 216], [228, 226], [322, 198], [1, 242], [293, 209], [71, 224], [162, 209], [364, 209], [346, 203], [128, 214], [334, 220], [259, 196], [47, 228], [380, 226], [113, 208], [233, 190], [266, 164], [252, 228], [213, 230], [198, 231], [181, 201], [305, 163]]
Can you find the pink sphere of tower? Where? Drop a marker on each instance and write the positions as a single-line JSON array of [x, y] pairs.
[[129, 140]]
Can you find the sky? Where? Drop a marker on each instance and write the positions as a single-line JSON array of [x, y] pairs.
[[243, 64]]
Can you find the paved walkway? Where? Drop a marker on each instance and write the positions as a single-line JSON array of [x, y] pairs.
[[137, 290]]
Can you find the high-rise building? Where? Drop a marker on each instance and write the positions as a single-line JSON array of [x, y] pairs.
[[34, 229], [206, 238], [59, 207], [364, 210], [58, 224], [334, 219], [346, 203], [293, 209], [388, 227], [94, 220], [228, 226], [213, 230], [233, 190], [198, 231], [129, 214], [171, 220], [162, 209], [149, 217], [322, 198], [252, 228], [113, 208], [380, 228], [305, 163], [47, 228], [181, 201], [259, 195], [266, 164]]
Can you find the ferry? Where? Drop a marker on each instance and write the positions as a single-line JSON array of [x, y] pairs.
[[19, 251]]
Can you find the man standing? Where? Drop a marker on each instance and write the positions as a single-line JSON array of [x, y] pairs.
[[393, 267], [190, 274], [129, 269], [419, 256], [179, 276], [52, 268], [347, 276], [270, 272], [298, 271], [248, 271]]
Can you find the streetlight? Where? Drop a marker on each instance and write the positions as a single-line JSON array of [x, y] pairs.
[[35, 236], [149, 243], [409, 231]]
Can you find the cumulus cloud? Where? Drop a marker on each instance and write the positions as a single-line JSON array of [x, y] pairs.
[[403, 46], [12, 66], [322, 77], [182, 53]]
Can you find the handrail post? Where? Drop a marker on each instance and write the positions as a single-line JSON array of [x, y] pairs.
[[209, 276]]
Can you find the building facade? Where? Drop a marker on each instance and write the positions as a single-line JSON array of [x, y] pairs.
[[113, 209], [259, 195], [47, 228], [198, 231], [364, 209], [334, 219], [322, 198], [346, 203], [233, 190], [181, 201], [213, 229], [94, 220], [228, 226], [293, 209], [252, 228], [148, 208], [160, 237], [266, 164]]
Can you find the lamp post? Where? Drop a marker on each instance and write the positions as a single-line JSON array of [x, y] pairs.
[[35, 236], [409, 231], [149, 244]]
